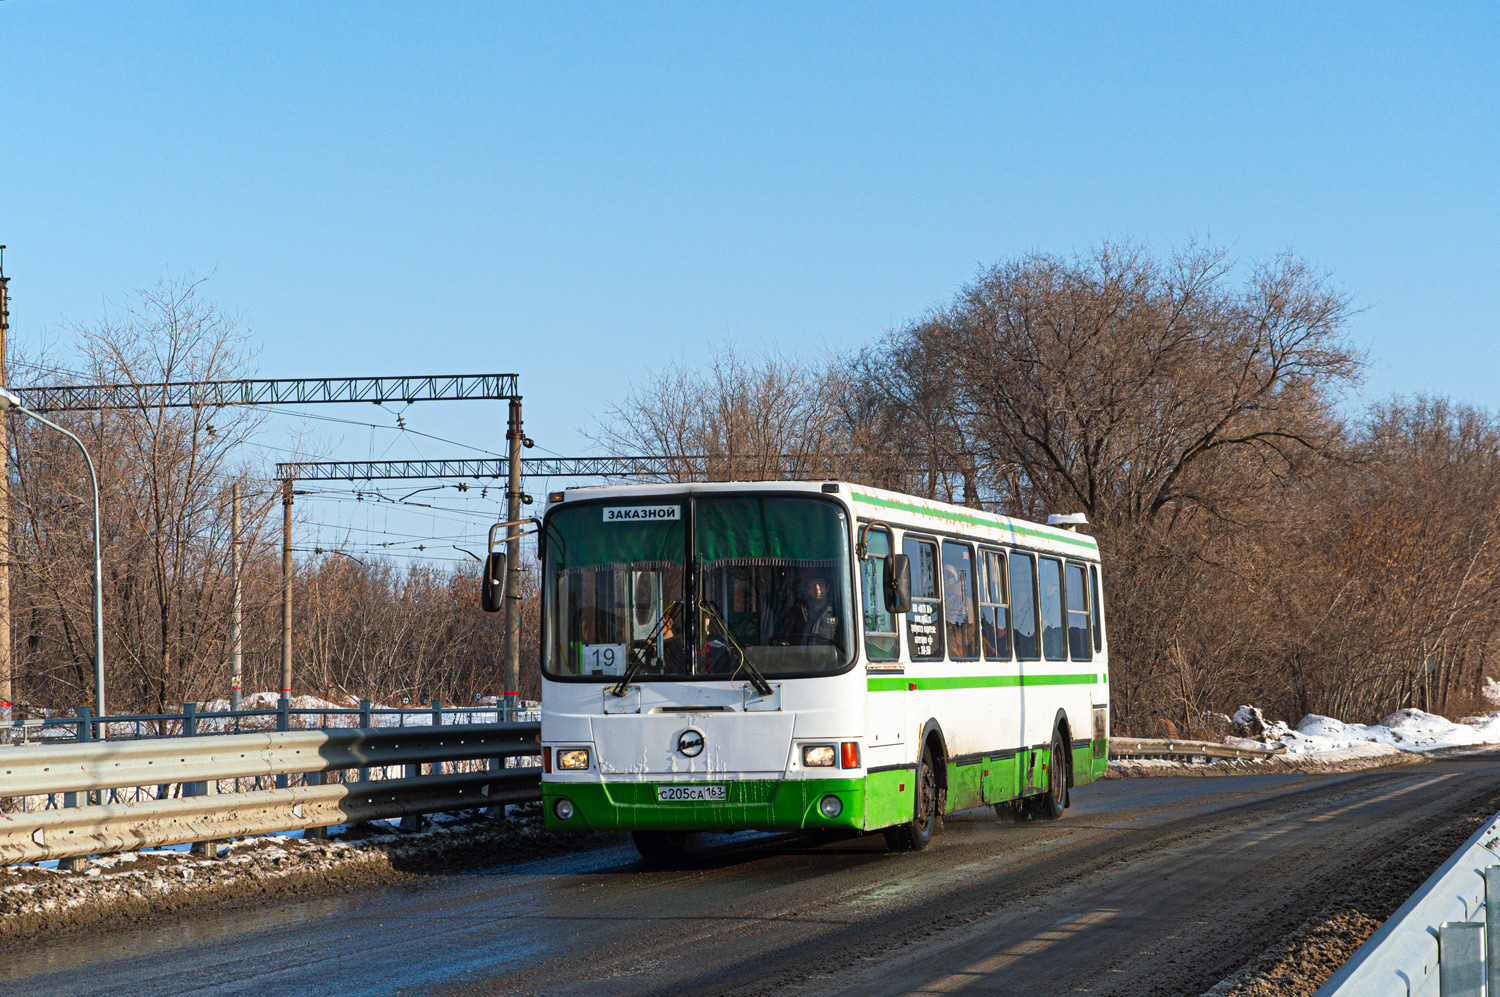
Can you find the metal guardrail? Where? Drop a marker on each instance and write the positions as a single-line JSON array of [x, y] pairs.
[[1146, 747], [83, 769], [1444, 941], [82, 725]]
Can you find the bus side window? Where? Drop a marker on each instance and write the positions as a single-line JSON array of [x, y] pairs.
[[881, 640], [924, 632], [1079, 647], [1094, 604], [994, 606], [1054, 643], [958, 601], [1023, 605]]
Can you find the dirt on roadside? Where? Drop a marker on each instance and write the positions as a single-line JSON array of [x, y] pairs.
[[135, 886], [1142, 768]]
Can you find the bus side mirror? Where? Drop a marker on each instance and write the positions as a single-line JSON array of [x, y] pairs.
[[492, 585], [897, 584]]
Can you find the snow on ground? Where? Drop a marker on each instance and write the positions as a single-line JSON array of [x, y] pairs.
[[270, 700], [1320, 743], [1404, 730]]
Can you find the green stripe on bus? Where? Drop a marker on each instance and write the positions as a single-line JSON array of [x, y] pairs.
[[959, 517], [904, 684]]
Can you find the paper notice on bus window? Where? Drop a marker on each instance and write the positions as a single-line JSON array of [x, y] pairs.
[[603, 659], [922, 626], [641, 513]]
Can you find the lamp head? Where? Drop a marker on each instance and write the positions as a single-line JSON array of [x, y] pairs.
[[9, 399]]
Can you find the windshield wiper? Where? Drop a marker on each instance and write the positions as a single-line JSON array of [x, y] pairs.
[[756, 678], [637, 659]]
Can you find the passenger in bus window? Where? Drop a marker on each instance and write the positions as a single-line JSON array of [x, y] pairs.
[[994, 611], [958, 601], [1023, 605], [1054, 639]]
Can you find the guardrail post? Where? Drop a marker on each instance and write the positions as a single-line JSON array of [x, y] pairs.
[[365, 723], [79, 862], [200, 788], [413, 822], [283, 723], [1461, 959]]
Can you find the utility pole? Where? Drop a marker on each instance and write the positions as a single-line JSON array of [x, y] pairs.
[[286, 588], [515, 438], [5, 672], [236, 646]]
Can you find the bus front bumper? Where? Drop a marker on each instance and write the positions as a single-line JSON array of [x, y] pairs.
[[761, 805]]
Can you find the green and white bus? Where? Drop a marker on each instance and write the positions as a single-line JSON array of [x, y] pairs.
[[811, 656]]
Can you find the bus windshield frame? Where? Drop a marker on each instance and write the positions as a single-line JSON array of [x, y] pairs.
[[724, 599]]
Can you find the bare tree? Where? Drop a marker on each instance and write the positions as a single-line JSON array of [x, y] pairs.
[[164, 475], [741, 414], [1131, 388]]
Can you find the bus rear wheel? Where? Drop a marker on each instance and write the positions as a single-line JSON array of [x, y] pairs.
[[660, 846], [916, 834], [1050, 805]]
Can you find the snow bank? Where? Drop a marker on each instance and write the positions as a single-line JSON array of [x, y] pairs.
[[1404, 730], [1323, 744]]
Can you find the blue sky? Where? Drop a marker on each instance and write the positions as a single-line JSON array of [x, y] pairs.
[[581, 192]]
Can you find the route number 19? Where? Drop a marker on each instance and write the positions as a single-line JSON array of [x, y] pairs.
[[603, 659]]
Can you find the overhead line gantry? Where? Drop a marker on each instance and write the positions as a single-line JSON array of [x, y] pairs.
[[145, 396]]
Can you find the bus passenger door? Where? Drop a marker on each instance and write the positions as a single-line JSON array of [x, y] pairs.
[[887, 719], [885, 677], [1028, 647]]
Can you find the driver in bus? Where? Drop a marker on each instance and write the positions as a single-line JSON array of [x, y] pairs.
[[673, 659], [814, 614]]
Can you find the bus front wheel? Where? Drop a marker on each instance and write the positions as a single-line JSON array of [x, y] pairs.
[[915, 834]]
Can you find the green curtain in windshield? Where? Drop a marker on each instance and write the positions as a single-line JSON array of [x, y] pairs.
[[769, 530], [581, 537]]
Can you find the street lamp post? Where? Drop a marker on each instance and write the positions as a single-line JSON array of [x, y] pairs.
[[9, 400]]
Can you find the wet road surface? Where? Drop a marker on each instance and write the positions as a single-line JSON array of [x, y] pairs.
[[1147, 886]]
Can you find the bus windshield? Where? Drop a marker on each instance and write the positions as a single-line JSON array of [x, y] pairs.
[[773, 588]]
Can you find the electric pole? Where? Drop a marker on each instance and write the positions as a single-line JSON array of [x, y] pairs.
[[236, 645], [515, 438], [286, 588], [5, 671]]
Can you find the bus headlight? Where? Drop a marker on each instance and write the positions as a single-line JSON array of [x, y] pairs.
[[818, 756], [573, 758], [831, 807], [563, 809]]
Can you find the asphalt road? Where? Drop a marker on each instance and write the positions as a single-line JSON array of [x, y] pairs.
[[1147, 886]]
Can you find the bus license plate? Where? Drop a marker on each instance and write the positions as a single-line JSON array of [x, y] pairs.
[[685, 794]]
